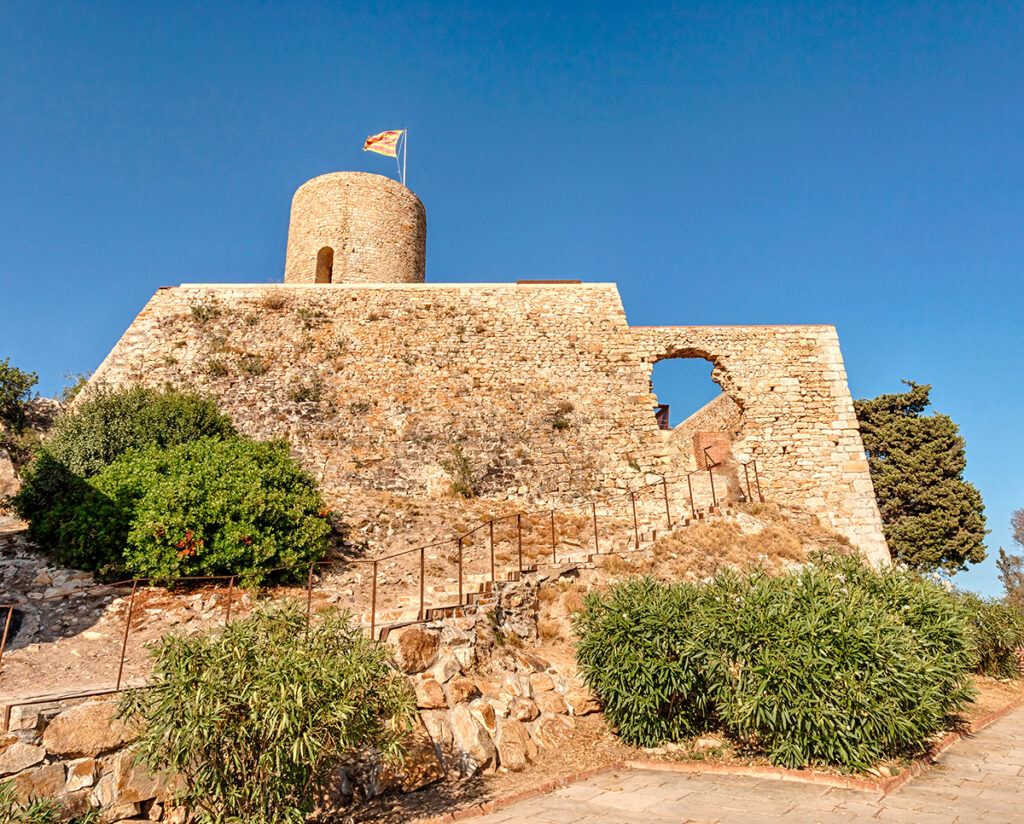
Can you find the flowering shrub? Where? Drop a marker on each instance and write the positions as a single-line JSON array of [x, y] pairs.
[[835, 663], [214, 507]]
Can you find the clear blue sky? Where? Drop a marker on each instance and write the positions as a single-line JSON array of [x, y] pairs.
[[855, 164]]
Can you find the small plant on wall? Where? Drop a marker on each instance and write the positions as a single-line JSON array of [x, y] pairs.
[[460, 470]]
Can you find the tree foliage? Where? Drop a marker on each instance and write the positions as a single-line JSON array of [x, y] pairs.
[[253, 718], [15, 389], [112, 422], [1011, 567], [932, 517]]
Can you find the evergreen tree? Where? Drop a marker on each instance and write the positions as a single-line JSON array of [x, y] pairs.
[[1011, 567], [933, 518]]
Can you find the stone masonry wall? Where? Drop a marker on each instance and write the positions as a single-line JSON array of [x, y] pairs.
[[720, 414], [376, 227], [544, 390], [798, 417]]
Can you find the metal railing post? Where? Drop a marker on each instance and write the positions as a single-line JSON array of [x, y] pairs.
[[460, 571], [127, 628], [636, 530], [231, 598], [519, 535], [597, 545], [757, 480], [668, 512], [711, 477], [689, 486], [746, 476], [309, 595], [373, 604], [491, 525], [7, 627], [423, 550]]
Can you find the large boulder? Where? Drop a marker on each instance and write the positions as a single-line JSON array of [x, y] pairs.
[[87, 730], [473, 747], [549, 731], [552, 702], [415, 647], [581, 701], [429, 695], [515, 747], [46, 781], [132, 781], [460, 690], [16, 755]]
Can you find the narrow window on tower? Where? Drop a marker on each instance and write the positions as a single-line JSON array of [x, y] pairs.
[[324, 264]]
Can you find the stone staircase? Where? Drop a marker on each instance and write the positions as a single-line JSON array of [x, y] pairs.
[[479, 590]]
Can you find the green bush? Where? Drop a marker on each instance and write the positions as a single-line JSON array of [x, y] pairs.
[[835, 663], [112, 422], [67, 518], [636, 651], [253, 718], [209, 507], [998, 630]]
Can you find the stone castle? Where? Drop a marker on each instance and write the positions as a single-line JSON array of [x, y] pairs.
[[541, 390]]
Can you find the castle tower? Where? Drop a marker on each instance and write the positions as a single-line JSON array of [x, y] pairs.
[[353, 227]]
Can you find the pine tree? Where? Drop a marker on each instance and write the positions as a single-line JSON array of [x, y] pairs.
[[933, 518]]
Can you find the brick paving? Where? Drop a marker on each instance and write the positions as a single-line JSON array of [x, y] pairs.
[[980, 781]]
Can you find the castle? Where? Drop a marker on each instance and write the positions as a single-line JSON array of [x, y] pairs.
[[541, 389]]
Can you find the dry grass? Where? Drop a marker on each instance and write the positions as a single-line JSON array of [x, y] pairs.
[[617, 565], [275, 301], [704, 549]]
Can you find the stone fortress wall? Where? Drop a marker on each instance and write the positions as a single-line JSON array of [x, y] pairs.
[[543, 388], [350, 227]]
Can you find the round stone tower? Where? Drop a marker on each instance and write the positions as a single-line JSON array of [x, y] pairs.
[[353, 227]]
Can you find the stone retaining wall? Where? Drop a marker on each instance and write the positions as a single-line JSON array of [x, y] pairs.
[[482, 705]]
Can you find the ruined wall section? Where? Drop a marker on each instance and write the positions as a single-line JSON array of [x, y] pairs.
[[377, 386], [798, 417]]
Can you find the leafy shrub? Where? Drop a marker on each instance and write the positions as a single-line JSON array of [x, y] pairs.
[[834, 663], [253, 718], [635, 651], [87, 438], [209, 507], [15, 388], [998, 630], [96, 431]]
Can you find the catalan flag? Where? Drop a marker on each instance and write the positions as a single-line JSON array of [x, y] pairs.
[[385, 143]]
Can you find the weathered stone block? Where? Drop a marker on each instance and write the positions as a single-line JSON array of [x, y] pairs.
[[87, 730]]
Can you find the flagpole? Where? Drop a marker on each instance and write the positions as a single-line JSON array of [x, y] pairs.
[[405, 153]]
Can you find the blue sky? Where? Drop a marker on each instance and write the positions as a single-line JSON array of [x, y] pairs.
[[855, 164]]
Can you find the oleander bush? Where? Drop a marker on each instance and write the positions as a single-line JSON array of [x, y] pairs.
[[834, 663], [636, 649], [998, 632], [252, 718]]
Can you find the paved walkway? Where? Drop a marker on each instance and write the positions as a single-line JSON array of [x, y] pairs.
[[979, 780]]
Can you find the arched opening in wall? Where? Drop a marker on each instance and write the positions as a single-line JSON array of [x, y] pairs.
[[324, 265], [699, 420]]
